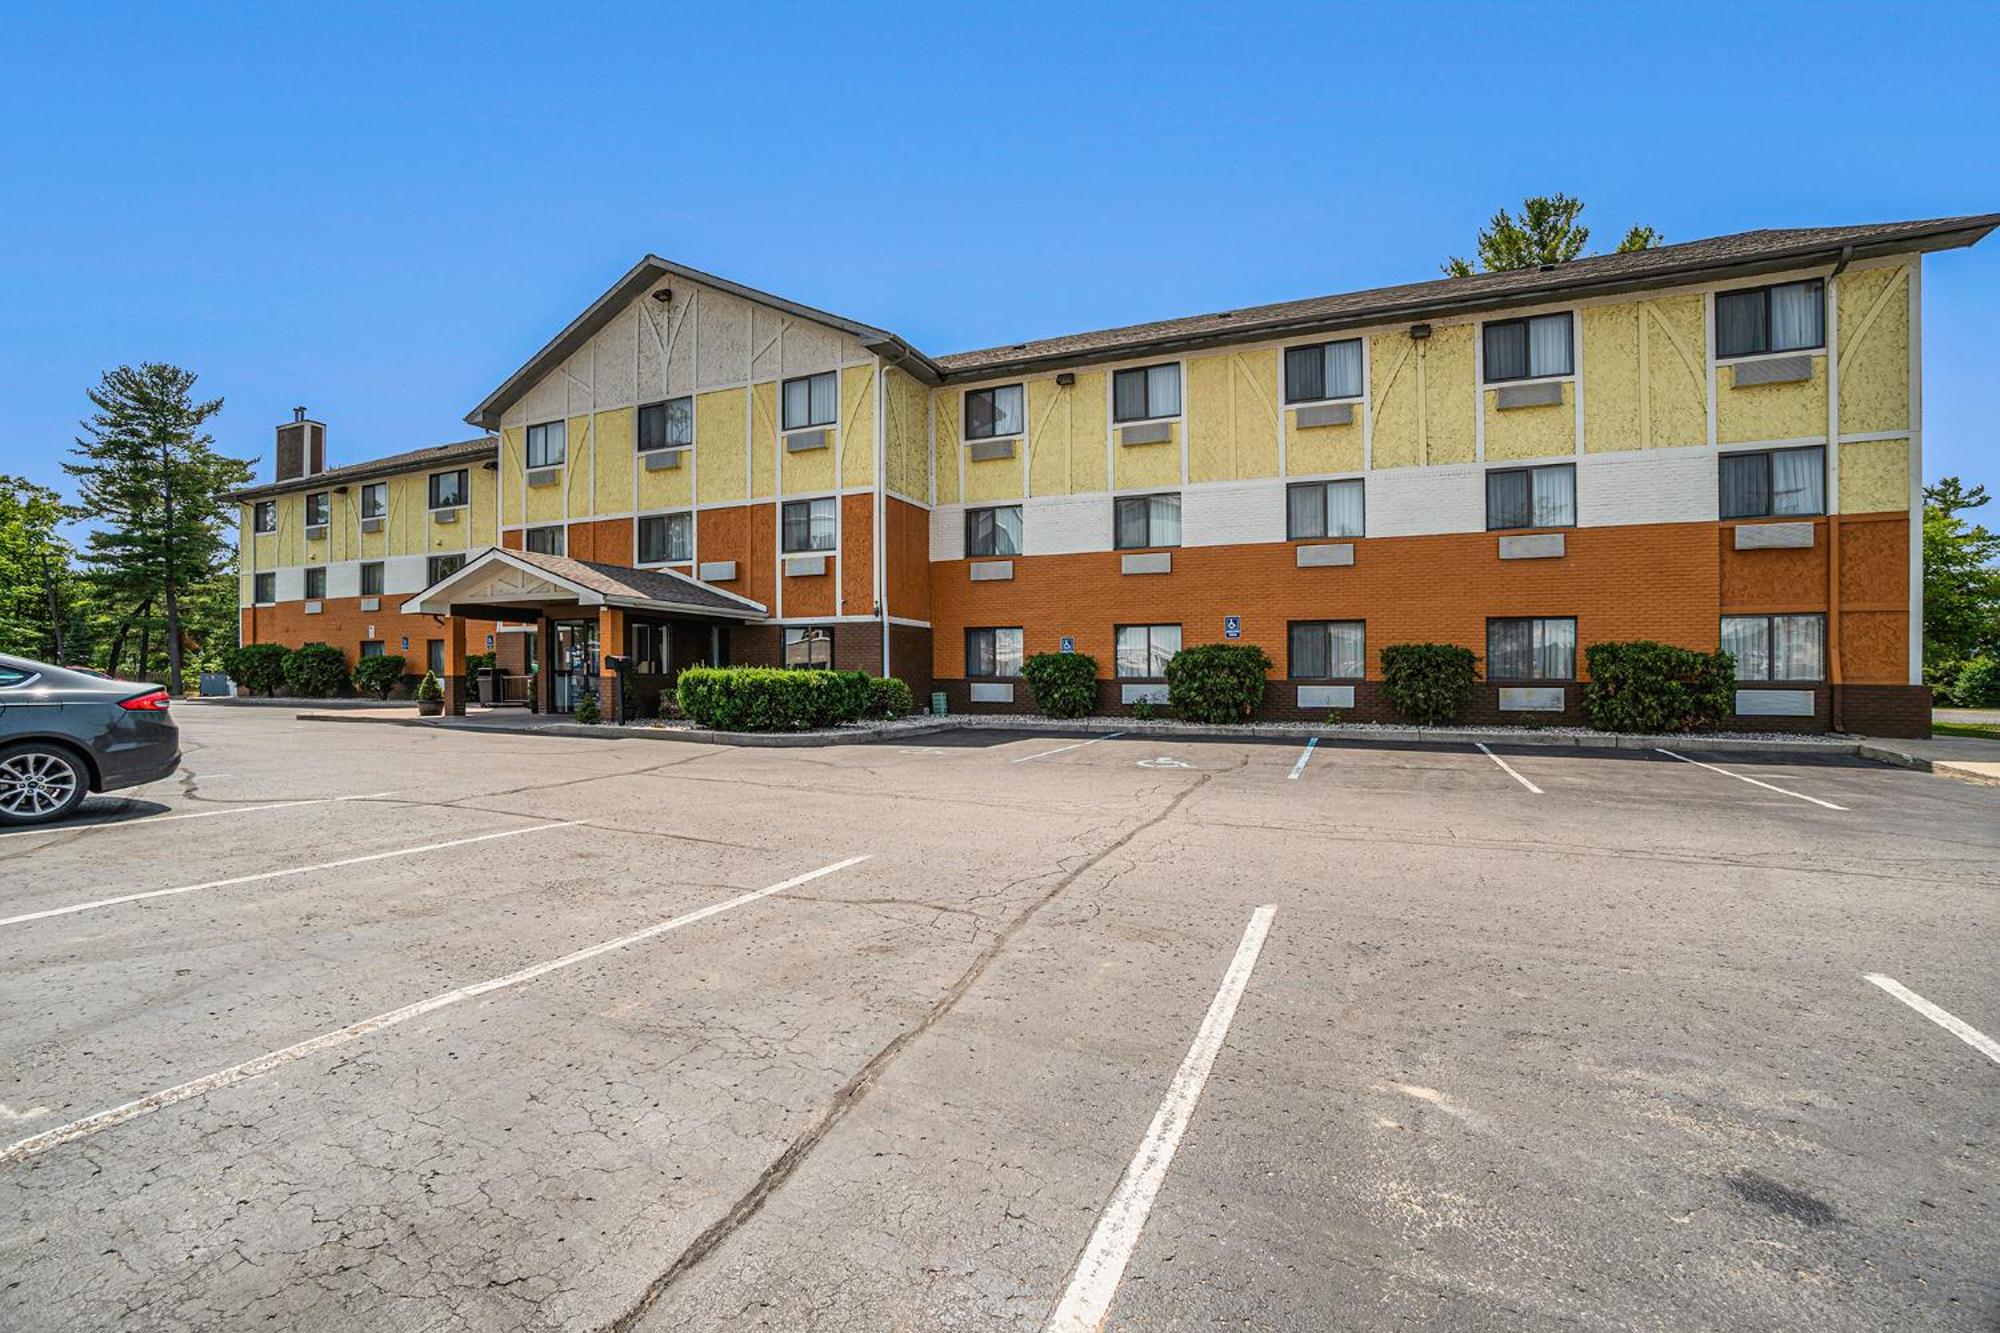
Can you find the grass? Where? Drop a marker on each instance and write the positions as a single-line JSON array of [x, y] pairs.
[[1965, 729]]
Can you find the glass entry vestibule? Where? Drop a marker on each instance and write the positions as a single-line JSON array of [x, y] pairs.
[[575, 662]]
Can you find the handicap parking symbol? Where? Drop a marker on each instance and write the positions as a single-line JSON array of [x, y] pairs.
[[1232, 627]]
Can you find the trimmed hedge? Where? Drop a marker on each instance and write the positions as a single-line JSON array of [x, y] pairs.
[[1649, 687], [771, 698], [257, 666], [1217, 682], [379, 675], [1064, 684], [1978, 684], [430, 688], [1430, 684], [889, 698], [316, 671]]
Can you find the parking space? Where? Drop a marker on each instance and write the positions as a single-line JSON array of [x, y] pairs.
[[969, 1032]]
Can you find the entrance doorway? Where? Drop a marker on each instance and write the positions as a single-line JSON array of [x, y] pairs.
[[574, 668]]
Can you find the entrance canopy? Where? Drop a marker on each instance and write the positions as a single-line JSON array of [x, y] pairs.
[[514, 584]]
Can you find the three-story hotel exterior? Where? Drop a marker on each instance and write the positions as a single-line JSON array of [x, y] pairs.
[[1712, 442]]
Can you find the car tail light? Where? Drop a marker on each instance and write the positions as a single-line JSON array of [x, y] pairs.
[[155, 701]]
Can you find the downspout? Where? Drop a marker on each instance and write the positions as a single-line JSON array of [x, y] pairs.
[[882, 368], [1835, 676]]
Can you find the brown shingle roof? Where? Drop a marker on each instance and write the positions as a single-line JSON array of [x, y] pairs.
[[624, 584], [1746, 253], [437, 455]]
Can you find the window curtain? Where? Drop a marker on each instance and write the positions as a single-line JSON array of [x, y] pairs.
[[979, 652], [823, 517], [798, 403], [1128, 393], [1555, 496], [1007, 530], [1347, 649], [1006, 652], [1509, 500], [825, 388], [1797, 648], [1343, 369], [1305, 374], [1164, 520], [1739, 323], [1797, 310], [1305, 511], [1506, 352], [680, 421], [652, 540], [1163, 391], [1797, 481], [1745, 638], [1163, 642], [1510, 649], [1344, 513], [1130, 523], [1007, 410], [1308, 659], [1746, 485], [1555, 649], [1548, 345], [1131, 650], [680, 536]]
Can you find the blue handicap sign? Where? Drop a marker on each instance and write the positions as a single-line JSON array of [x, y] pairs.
[[1232, 627], [406, 643], [489, 642], [1068, 644]]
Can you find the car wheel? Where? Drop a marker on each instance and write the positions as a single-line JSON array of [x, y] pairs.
[[39, 782]]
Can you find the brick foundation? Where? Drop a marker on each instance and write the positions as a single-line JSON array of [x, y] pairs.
[[1883, 710]]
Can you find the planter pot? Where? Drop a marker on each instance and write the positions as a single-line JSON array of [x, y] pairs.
[[430, 707]]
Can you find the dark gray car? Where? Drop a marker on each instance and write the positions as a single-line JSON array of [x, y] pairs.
[[65, 734]]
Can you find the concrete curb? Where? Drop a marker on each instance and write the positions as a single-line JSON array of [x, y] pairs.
[[281, 701]]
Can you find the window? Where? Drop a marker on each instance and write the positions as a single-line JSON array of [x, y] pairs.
[[315, 583], [1531, 649], [547, 540], [1327, 650], [316, 509], [372, 648], [666, 537], [1789, 317], [548, 444], [434, 655], [649, 649], [1776, 647], [810, 401], [448, 489], [264, 516], [264, 589], [1324, 370], [442, 567], [375, 499], [1531, 497], [993, 652], [1145, 520], [12, 676], [1145, 392], [993, 413], [995, 531], [1761, 483], [1144, 650], [809, 524], [371, 578], [809, 646], [1324, 509], [668, 425], [1521, 349]]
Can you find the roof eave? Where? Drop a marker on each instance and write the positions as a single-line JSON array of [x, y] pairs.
[[366, 471]]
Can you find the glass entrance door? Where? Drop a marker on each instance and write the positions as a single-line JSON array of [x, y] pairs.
[[574, 669]]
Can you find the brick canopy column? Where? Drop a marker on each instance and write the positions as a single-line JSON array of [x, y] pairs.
[[610, 643], [454, 666]]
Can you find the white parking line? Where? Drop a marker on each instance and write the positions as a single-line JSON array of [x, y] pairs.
[[279, 874], [196, 814], [1755, 782], [1510, 770], [1094, 1282], [1951, 1023], [1110, 736], [264, 1064], [1304, 755]]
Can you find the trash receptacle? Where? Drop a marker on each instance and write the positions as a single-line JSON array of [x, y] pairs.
[[937, 704]]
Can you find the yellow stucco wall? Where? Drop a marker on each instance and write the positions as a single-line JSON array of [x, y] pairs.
[[1310, 450], [944, 413], [1645, 375], [1232, 416], [1147, 466], [1874, 476], [1547, 431], [1422, 397], [763, 440], [1770, 411], [857, 418], [1066, 435], [512, 445], [614, 451], [809, 469], [907, 406], [718, 444], [1874, 342], [578, 445], [673, 488]]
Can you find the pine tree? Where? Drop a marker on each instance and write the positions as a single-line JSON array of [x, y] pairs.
[[152, 483], [1547, 232]]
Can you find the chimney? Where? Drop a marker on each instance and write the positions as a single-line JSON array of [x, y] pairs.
[[301, 447]]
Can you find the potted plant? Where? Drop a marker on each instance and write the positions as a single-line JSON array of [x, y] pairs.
[[430, 696]]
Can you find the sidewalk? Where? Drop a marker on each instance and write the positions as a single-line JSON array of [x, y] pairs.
[[1967, 758]]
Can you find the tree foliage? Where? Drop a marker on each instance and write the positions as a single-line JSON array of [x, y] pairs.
[[34, 571], [150, 479], [1961, 583], [1548, 231]]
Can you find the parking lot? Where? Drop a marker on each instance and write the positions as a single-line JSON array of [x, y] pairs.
[[362, 1026]]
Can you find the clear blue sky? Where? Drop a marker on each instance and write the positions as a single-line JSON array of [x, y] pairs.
[[381, 210]]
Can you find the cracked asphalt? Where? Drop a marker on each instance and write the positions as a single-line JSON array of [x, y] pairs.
[[1601, 1057]]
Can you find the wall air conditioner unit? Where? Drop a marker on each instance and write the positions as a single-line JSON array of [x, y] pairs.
[[371, 525], [544, 476], [316, 533], [444, 515]]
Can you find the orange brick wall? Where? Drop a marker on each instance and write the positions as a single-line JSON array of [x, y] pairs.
[[909, 542], [343, 624]]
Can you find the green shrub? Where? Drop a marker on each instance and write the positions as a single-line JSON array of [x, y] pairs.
[[1217, 682], [430, 689], [1648, 687], [1142, 708], [478, 662], [587, 711], [889, 697], [771, 698], [379, 675], [1430, 684], [1978, 684], [1064, 684], [257, 666], [315, 671]]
